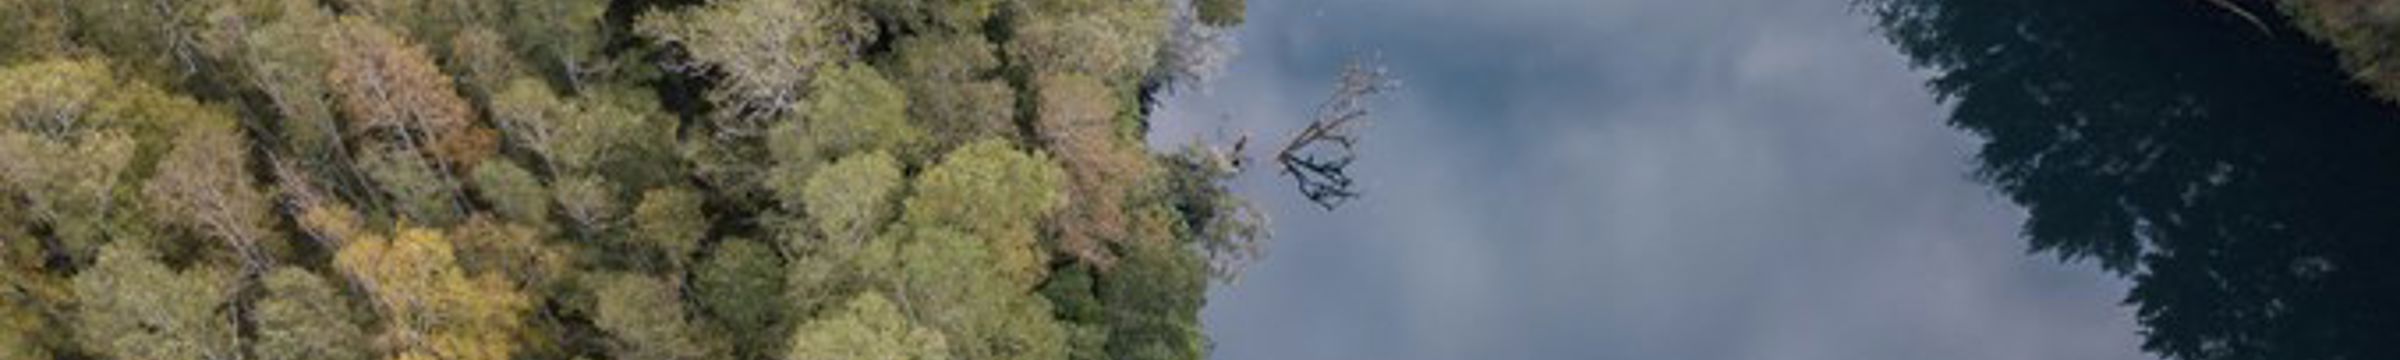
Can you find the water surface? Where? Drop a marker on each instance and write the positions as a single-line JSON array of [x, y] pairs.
[[1738, 179]]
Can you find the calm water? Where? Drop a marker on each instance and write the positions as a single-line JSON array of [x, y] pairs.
[[1816, 179], [2229, 170]]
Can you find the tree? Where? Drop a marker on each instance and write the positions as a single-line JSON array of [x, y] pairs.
[[945, 279], [513, 193], [1153, 302], [388, 85], [20, 331], [995, 193], [854, 109], [950, 88], [485, 64], [428, 21], [796, 160], [1230, 231], [563, 36], [589, 202], [429, 306], [1112, 40], [868, 327], [488, 247], [66, 153], [301, 317], [1078, 122], [1318, 157], [1076, 304], [285, 59], [416, 189], [922, 16], [539, 121], [646, 319], [157, 40], [766, 52], [669, 221], [331, 224], [38, 30], [820, 273], [852, 198], [2356, 28], [741, 285], [196, 186], [573, 136], [1198, 45], [1221, 13], [392, 92], [133, 307], [657, 179]]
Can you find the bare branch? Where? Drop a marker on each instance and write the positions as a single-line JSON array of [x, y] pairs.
[[1319, 156]]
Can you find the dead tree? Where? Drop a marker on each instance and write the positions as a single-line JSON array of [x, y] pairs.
[[1318, 158]]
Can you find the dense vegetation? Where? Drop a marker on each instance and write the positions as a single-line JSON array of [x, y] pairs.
[[597, 179]]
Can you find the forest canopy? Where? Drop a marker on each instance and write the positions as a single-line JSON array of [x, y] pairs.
[[598, 179]]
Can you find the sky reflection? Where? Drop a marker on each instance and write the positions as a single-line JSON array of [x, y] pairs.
[[1658, 179]]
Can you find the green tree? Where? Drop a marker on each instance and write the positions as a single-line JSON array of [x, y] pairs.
[[512, 192], [428, 21], [302, 318], [947, 280], [1113, 40], [927, 16], [1153, 299], [1221, 13], [484, 63], [73, 144], [20, 331], [820, 273], [855, 109], [1076, 303], [853, 197], [562, 36], [416, 189], [992, 192], [951, 89], [196, 186], [36, 30], [646, 319], [518, 253], [574, 136], [589, 202], [670, 222], [1227, 228], [741, 285], [134, 307], [158, 41], [285, 59], [765, 50], [868, 327]]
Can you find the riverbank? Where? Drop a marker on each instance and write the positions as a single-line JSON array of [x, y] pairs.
[[2363, 31]]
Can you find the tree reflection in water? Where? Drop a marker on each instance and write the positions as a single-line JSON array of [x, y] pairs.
[[2251, 192]]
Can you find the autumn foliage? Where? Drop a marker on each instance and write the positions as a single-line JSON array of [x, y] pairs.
[[590, 179]]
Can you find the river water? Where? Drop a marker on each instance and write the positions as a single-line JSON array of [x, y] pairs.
[[1814, 179]]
